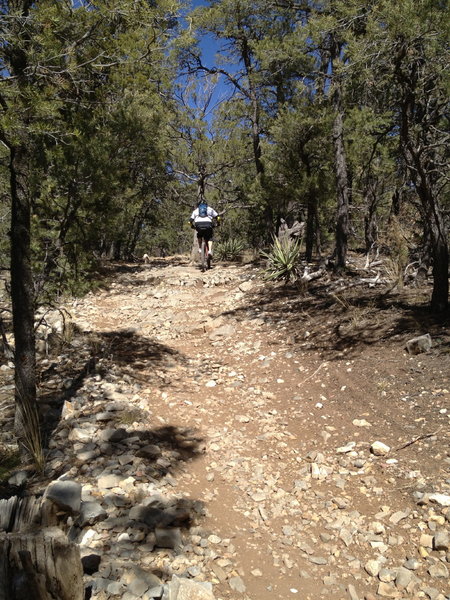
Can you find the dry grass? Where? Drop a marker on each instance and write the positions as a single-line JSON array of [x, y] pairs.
[[29, 433]]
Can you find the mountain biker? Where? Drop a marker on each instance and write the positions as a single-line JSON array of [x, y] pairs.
[[203, 219]]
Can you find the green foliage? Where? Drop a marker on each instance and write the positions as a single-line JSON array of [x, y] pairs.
[[283, 260], [91, 120], [116, 154], [230, 249]]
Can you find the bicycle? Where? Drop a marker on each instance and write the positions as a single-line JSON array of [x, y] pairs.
[[205, 256]]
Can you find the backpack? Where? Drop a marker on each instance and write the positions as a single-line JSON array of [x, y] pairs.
[[202, 209]]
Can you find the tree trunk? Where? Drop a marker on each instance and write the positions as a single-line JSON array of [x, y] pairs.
[[40, 566], [439, 238], [370, 218], [421, 170], [23, 308], [417, 124], [311, 224], [256, 139], [426, 257], [340, 164]]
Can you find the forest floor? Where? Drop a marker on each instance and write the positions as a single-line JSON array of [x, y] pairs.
[[280, 393]]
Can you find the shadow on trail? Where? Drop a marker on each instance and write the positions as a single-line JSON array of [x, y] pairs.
[[125, 347], [332, 323], [141, 359]]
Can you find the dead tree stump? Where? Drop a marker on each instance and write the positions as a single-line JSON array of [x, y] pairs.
[[41, 565]]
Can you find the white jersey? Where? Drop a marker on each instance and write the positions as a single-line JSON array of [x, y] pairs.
[[210, 215]]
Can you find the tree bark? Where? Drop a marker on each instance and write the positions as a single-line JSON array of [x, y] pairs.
[[340, 165], [421, 167], [23, 303], [40, 566]]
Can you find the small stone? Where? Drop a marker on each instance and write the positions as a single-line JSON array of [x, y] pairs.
[[386, 575], [19, 478], [399, 516], [258, 496], [438, 570], [214, 539], [387, 590], [403, 578], [237, 585], [138, 587], [431, 592], [221, 575], [426, 540], [115, 588], [419, 344], [352, 592], [113, 435], [347, 448], [106, 482], [441, 540], [442, 499], [168, 537], [372, 567], [91, 512], [180, 587], [379, 448], [318, 560], [346, 536], [412, 564]]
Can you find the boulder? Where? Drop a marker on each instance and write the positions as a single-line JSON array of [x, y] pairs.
[[186, 589], [65, 494], [419, 344]]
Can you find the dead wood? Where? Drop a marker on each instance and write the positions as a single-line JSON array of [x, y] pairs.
[[42, 565], [418, 438]]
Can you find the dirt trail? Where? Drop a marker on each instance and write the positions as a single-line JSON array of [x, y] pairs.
[[295, 501]]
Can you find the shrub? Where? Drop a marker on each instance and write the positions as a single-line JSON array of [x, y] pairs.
[[230, 249], [283, 260]]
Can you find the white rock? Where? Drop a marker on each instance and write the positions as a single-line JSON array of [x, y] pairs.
[[372, 567], [379, 448], [348, 448], [442, 499]]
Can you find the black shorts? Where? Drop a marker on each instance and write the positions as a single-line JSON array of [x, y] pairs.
[[204, 232]]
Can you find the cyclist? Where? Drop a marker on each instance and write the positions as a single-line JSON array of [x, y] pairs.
[[203, 219]]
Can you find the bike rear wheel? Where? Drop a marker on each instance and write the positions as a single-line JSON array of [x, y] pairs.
[[203, 256]]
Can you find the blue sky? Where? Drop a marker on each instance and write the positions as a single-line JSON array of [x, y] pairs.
[[209, 47]]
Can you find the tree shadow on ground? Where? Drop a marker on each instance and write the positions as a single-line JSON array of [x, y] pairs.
[[125, 347], [136, 282], [142, 360], [318, 320]]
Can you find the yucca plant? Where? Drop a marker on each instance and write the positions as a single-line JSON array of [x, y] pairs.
[[230, 249], [29, 433], [282, 260]]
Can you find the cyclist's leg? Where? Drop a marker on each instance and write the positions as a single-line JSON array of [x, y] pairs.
[[209, 240], [199, 240]]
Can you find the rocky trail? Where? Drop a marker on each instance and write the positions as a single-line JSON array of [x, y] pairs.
[[227, 439]]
